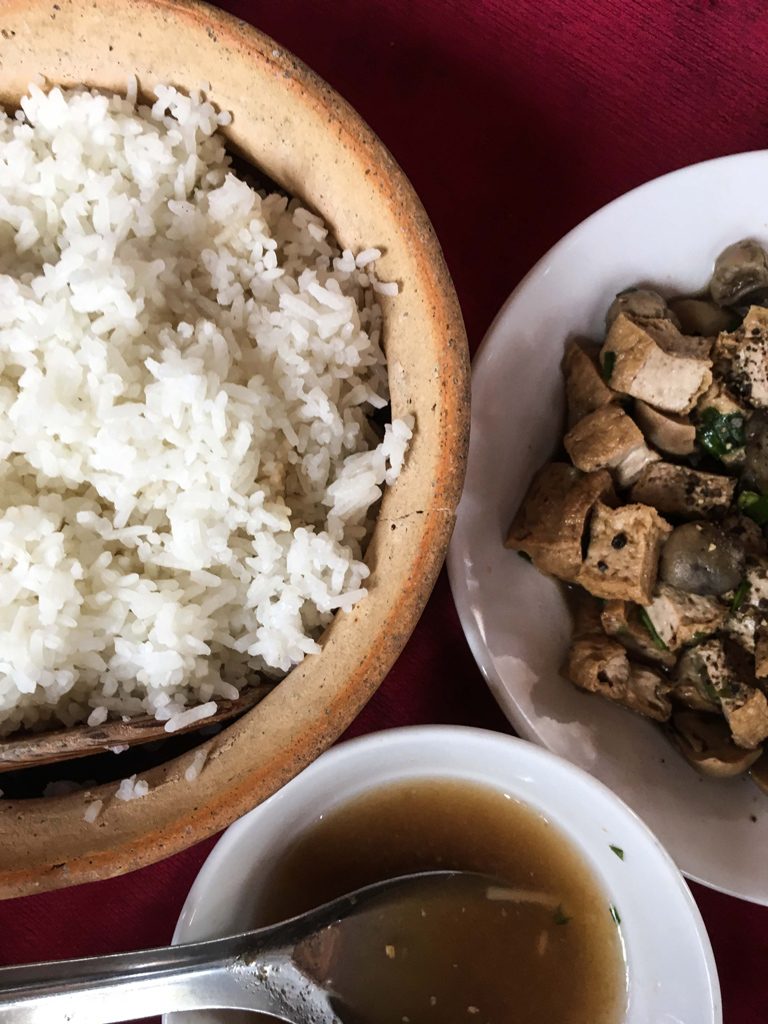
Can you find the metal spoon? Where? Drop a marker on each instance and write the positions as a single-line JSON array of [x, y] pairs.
[[278, 970]]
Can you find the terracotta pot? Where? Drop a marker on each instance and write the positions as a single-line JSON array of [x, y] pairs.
[[304, 136]]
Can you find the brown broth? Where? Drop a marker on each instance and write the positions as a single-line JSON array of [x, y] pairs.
[[474, 961]]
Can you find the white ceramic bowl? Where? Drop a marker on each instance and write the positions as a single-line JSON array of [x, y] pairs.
[[670, 968], [666, 233]]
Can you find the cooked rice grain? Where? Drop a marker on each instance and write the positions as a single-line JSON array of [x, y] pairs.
[[186, 372]]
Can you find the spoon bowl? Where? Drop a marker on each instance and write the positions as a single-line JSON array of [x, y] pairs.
[[285, 970]]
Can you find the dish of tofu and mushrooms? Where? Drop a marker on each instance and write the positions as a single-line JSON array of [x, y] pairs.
[[656, 513]]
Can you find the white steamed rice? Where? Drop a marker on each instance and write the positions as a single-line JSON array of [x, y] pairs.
[[186, 372]]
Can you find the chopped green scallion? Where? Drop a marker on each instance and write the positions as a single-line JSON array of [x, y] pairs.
[[738, 598], [720, 433], [560, 916], [754, 505], [608, 364], [651, 629], [618, 851]]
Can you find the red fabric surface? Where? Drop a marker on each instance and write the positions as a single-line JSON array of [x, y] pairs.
[[514, 119]]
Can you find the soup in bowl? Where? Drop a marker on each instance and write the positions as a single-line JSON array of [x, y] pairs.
[[587, 918]]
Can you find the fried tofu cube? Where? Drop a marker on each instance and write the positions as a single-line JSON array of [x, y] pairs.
[[678, 491], [621, 619], [747, 718], [742, 358], [623, 553], [608, 439], [598, 664], [550, 523], [679, 617], [585, 389], [718, 397], [722, 674], [643, 364]]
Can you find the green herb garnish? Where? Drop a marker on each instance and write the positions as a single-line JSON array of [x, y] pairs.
[[655, 638], [615, 914], [738, 598], [608, 364], [618, 851], [560, 916], [754, 505], [719, 433]]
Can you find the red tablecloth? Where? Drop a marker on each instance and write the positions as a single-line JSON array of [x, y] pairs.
[[514, 120]]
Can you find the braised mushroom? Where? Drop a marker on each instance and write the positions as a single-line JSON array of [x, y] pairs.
[[692, 686], [640, 304], [609, 439], [647, 693], [746, 532], [740, 277], [701, 317], [705, 742], [674, 435], [700, 559]]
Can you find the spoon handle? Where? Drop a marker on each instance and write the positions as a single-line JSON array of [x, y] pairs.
[[128, 986]]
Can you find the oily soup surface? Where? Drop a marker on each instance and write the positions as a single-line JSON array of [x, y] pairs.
[[547, 953]]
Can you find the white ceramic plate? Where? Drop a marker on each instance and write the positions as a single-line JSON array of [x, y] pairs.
[[670, 967], [667, 234]]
